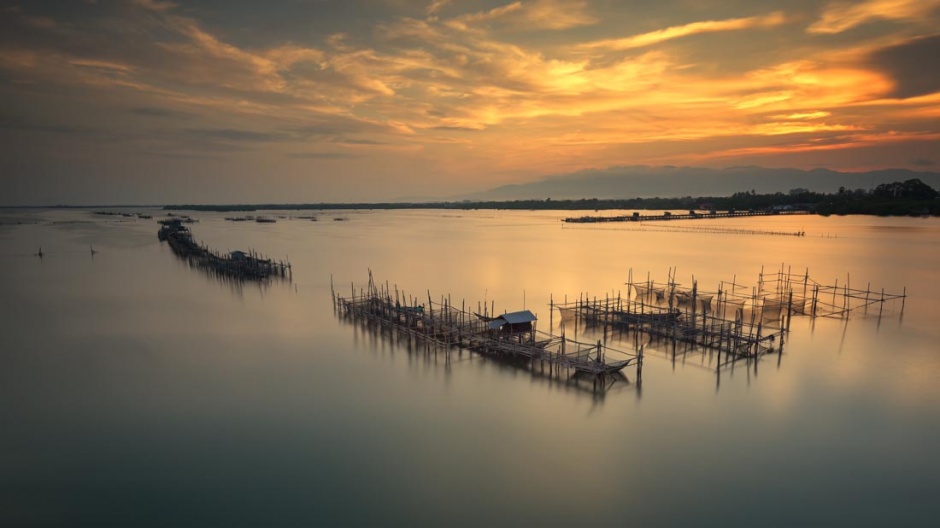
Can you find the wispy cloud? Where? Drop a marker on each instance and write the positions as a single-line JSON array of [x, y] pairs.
[[230, 134], [322, 155], [155, 5], [838, 142], [436, 5], [535, 14], [152, 111], [803, 115], [840, 16], [694, 28]]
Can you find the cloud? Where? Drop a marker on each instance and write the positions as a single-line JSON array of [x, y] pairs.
[[695, 28], [536, 14], [230, 134], [837, 142], [803, 115], [841, 16], [812, 83], [555, 14], [322, 155], [152, 111], [492, 91], [436, 5], [914, 66], [155, 5], [923, 162], [36, 22], [106, 66]]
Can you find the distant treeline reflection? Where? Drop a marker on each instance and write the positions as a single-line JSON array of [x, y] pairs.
[[909, 198]]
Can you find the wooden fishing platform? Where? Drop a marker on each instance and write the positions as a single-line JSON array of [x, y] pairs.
[[237, 265], [510, 335], [737, 321], [691, 215]]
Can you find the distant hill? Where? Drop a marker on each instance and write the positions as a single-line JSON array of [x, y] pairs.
[[668, 181]]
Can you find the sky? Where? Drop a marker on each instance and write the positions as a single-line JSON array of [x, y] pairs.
[[237, 101]]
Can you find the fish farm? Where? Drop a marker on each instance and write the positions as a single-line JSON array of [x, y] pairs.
[[237, 265], [509, 335], [735, 322], [738, 322]]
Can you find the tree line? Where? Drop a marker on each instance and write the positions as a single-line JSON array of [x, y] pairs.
[[912, 197]]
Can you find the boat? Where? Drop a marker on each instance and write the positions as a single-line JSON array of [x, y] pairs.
[[593, 367]]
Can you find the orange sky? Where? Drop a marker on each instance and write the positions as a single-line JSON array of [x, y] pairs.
[[141, 101]]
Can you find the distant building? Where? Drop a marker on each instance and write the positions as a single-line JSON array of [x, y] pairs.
[[238, 255], [798, 190]]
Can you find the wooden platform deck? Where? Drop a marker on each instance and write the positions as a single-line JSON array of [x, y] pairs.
[[445, 325]]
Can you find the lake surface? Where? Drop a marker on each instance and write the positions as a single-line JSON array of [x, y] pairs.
[[135, 390]]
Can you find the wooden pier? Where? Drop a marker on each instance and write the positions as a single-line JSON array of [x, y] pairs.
[[508, 336], [236, 265], [691, 215]]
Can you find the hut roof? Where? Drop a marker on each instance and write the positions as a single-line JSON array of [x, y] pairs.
[[513, 318]]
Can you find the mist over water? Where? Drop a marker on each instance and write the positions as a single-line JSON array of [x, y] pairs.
[[137, 390]]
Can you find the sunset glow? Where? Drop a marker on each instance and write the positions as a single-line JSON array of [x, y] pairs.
[[370, 100]]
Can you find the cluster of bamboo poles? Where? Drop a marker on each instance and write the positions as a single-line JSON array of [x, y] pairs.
[[689, 321], [739, 321], [251, 266], [442, 323]]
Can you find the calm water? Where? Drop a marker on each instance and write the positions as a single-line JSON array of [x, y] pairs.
[[137, 391]]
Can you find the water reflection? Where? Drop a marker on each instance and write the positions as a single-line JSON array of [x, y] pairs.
[[237, 265], [236, 285], [436, 355], [131, 380]]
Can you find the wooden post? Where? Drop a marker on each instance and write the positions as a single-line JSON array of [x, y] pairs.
[[757, 343], [551, 313], [639, 366], [790, 309], [721, 335], [815, 296], [845, 297]]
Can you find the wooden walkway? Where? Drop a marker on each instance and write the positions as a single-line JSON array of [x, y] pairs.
[[236, 266], [443, 324]]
